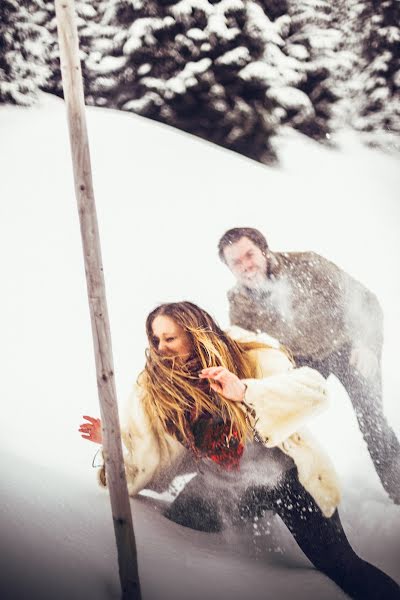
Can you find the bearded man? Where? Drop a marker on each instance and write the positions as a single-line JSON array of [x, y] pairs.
[[326, 318]]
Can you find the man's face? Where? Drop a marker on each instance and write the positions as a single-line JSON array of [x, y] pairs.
[[247, 262]]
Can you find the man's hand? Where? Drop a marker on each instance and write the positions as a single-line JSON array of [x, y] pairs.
[[225, 383], [364, 361], [92, 430]]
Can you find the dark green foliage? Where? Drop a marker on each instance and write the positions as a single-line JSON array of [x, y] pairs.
[[275, 8], [219, 70], [23, 46], [380, 101], [86, 20], [314, 28], [230, 71]]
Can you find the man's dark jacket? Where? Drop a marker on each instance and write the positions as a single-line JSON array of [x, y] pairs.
[[310, 305]]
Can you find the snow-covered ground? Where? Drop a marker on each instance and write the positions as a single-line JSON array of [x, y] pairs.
[[164, 198]]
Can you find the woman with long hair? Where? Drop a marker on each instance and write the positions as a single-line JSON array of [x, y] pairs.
[[235, 405]]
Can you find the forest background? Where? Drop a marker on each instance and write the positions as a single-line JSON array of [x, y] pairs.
[[233, 72]]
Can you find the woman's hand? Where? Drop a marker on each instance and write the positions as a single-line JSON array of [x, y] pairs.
[[92, 430], [225, 383]]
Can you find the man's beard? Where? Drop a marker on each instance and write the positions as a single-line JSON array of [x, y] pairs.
[[256, 280]]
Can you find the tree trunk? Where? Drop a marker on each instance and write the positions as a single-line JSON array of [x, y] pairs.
[[116, 479]]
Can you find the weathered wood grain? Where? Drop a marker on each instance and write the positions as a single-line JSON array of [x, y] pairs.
[[116, 480]]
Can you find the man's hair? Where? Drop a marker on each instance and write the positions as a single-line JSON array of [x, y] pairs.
[[234, 235], [174, 389]]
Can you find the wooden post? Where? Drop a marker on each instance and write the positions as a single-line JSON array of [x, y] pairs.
[[116, 480]]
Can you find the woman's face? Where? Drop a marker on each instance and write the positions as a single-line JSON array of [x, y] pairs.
[[169, 338]]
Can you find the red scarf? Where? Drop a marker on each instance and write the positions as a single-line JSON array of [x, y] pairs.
[[223, 450]]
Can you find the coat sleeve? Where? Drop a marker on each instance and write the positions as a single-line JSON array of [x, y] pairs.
[[141, 450], [151, 458], [362, 314], [284, 398]]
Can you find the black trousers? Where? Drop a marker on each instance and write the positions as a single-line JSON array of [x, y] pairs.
[[366, 397], [322, 540]]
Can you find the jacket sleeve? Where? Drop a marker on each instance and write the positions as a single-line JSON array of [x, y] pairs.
[[151, 457], [141, 450], [363, 315], [284, 398], [358, 306]]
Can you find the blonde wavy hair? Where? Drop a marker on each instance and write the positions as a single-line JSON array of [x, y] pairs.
[[173, 387]]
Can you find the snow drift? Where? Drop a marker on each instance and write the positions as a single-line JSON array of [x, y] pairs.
[[164, 198]]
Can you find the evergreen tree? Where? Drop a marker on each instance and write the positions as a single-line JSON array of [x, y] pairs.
[[87, 18], [23, 47], [379, 107], [230, 71], [217, 70], [348, 84], [318, 37]]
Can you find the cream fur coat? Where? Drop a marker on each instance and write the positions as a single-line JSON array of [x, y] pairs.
[[283, 399]]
